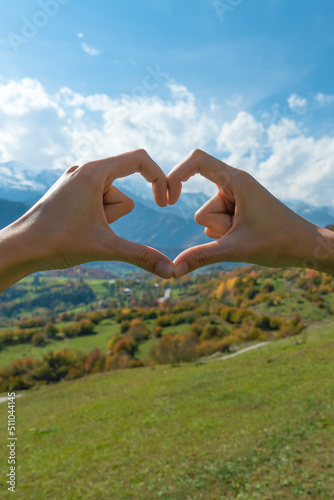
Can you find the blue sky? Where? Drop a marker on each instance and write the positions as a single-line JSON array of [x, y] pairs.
[[237, 68], [262, 49]]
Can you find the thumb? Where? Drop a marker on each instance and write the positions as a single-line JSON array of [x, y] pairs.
[[203, 255], [145, 257]]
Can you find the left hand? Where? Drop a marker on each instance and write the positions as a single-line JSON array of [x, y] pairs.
[[69, 225]]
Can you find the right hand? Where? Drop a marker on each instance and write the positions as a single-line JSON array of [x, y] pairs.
[[249, 224]]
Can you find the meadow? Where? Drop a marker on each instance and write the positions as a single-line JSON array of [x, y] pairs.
[[182, 420], [258, 426]]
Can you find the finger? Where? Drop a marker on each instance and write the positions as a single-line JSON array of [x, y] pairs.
[[130, 163], [203, 255], [214, 215], [212, 234], [116, 204], [143, 256], [198, 162]]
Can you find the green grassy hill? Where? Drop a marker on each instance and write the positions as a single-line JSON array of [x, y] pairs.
[[258, 426]]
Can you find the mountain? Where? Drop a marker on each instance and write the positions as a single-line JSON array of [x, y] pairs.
[[169, 229], [10, 211], [322, 216], [18, 183], [159, 229]]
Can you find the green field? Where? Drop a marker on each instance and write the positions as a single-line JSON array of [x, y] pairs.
[[258, 426], [104, 332]]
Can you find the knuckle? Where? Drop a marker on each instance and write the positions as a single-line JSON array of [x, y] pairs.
[[88, 170], [223, 178], [140, 153], [143, 258], [203, 259], [71, 169], [197, 154], [244, 177], [199, 217], [130, 205]]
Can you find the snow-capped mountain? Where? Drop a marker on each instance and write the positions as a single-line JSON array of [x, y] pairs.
[[171, 227], [322, 216], [18, 183]]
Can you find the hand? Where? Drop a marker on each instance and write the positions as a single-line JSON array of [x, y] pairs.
[[69, 225], [249, 224]]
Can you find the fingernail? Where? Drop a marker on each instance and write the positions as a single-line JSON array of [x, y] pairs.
[[181, 269], [164, 269]]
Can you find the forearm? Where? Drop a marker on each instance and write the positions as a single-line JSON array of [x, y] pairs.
[[16, 259]]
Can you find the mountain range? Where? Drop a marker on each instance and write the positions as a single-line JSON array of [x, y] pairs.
[[170, 229]]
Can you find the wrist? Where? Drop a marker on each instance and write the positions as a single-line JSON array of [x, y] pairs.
[[322, 257], [16, 254], [312, 247]]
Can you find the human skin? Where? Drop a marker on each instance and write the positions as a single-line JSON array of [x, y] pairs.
[[248, 223], [69, 225]]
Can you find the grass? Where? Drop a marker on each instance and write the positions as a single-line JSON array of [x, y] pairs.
[[258, 426], [104, 331], [87, 343]]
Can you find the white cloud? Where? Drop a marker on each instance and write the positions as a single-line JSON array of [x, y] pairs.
[[297, 103], [89, 50], [290, 164], [80, 35], [46, 130], [19, 97], [166, 128], [324, 99], [235, 101]]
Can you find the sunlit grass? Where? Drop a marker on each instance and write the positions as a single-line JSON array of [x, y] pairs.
[[258, 426]]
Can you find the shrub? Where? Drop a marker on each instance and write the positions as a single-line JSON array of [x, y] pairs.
[[246, 333], [122, 361], [51, 330], [138, 330], [175, 348], [157, 331], [234, 314], [125, 325], [198, 326], [211, 331], [95, 362], [36, 322], [291, 328], [17, 336], [39, 339], [95, 317], [124, 314], [82, 327], [275, 323], [122, 344], [267, 286], [113, 341], [150, 314], [209, 347], [262, 321], [165, 320], [66, 317]]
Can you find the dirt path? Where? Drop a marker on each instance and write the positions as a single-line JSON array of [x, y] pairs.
[[3, 399], [229, 356]]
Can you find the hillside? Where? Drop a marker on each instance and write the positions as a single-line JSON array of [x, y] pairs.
[[256, 426], [63, 325]]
